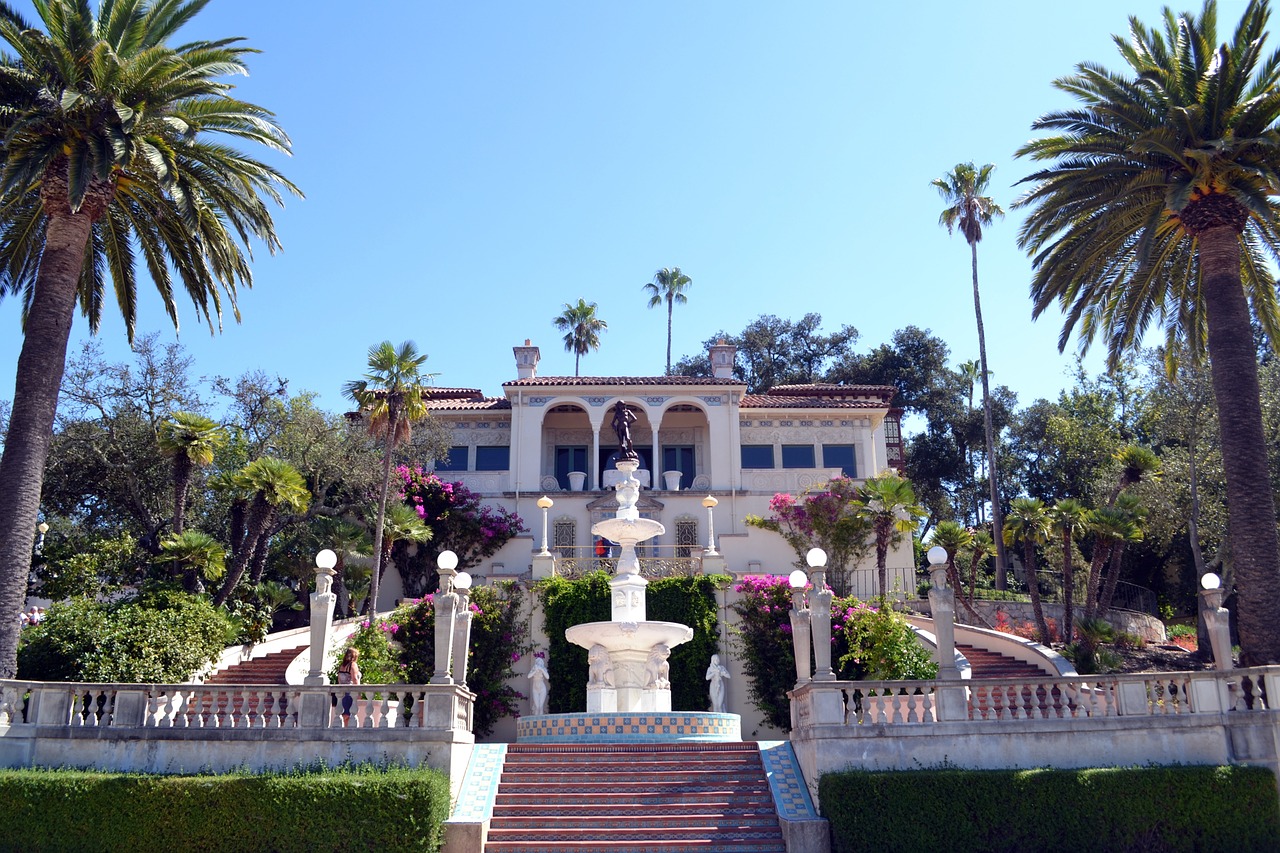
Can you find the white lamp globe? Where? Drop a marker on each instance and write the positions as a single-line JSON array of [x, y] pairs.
[[937, 555], [462, 581], [326, 559], [448, 561], [1210, 581], [816, 558], [798, 579]]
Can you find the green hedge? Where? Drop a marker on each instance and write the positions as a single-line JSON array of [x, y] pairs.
[[341, 810], [687, 600], [1116, 809]]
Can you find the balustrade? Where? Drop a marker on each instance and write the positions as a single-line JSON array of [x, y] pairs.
[[197, 706], [867, 703]]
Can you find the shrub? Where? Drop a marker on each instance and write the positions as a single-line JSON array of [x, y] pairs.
[[867, 643], [358, 808], [402, 648], [162, 636], [1128, 809]]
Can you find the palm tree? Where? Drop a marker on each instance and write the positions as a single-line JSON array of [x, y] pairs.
[[113, 159], [1028, 523], [970, 211], [266, 485], [1108, 526], [401, 524], [390, 395], [889, 503], [668, 285], [1137, 463], [1158, 204], [197, 555], [346, 539], [981, 547], [191, 440], [1069, 519], [951, 536], [581, 329], [1135, 516]]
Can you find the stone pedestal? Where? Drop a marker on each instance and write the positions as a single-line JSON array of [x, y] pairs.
[[323, 601], [942, 602], [602, 700]]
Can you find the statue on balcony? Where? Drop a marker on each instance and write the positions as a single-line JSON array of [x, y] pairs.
[[716, 674], [623, 417], [538, 678]]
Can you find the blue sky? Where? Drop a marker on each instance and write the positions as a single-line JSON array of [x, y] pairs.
[[470, 167]]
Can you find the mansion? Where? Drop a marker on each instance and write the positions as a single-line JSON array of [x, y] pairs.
[[710, 455]]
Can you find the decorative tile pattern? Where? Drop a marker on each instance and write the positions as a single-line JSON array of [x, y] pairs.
[[480, 785], [622, 728], [790, 794]]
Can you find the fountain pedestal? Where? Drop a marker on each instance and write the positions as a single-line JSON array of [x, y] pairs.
[[628, 655]]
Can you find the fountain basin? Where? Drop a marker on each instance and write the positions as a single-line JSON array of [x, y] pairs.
[[629, 636]]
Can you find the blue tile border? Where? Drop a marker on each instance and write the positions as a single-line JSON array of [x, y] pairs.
[[629, 727], [786, 782], [480, 785]]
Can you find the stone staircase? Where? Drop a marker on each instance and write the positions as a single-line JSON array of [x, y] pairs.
[[989, 664], [634, 798], [268, 669]]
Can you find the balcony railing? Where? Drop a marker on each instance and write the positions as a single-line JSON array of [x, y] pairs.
[[656, 561]]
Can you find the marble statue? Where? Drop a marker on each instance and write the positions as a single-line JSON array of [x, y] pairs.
[[657, 669], [600, 672], [538, 680], [716, 674]]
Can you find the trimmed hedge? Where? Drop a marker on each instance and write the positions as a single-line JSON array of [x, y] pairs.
[[342, 810], [1170, 809]]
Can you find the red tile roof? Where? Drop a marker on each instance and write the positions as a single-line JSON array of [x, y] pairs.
[[543, 381], [774, 401], [824, 390]]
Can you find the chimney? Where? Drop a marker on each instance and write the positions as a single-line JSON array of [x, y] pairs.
[[527, 358], [722, 359]]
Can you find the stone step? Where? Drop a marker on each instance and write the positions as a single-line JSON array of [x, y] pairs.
[[573, 806], [666, 820], [673, 776], [741, 845], [633, 829], [266, 669], [984, 663], [730, 788]]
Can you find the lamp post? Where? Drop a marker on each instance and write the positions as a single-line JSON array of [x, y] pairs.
[[820, 618], [800, 625], [942, 604], [446, 606], [710, 503], [43, 527], [462, 628], [1217, 620], [322, 603], [545, 503]]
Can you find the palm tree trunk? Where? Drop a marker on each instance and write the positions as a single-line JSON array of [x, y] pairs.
[[997, 517], [1113, 579], [35, 402], [1033, 586], [181, 482], [670, 306], [1068, 586], [882, 560], [1101, 550], [259, 516], [1234, 367], [393, 415]]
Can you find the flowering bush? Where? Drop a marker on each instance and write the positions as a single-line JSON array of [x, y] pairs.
[[826, 518], [380, 659], [499, 638], [866, 643], [458, 521]]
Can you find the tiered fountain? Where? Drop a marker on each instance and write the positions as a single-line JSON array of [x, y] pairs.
[[628, 688]]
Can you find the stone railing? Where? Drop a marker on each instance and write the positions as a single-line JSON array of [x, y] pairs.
[[656, 561], [992, 701], [441, 708]]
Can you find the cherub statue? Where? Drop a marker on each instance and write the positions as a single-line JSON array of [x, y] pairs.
[[657, 669], [600, 673]]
